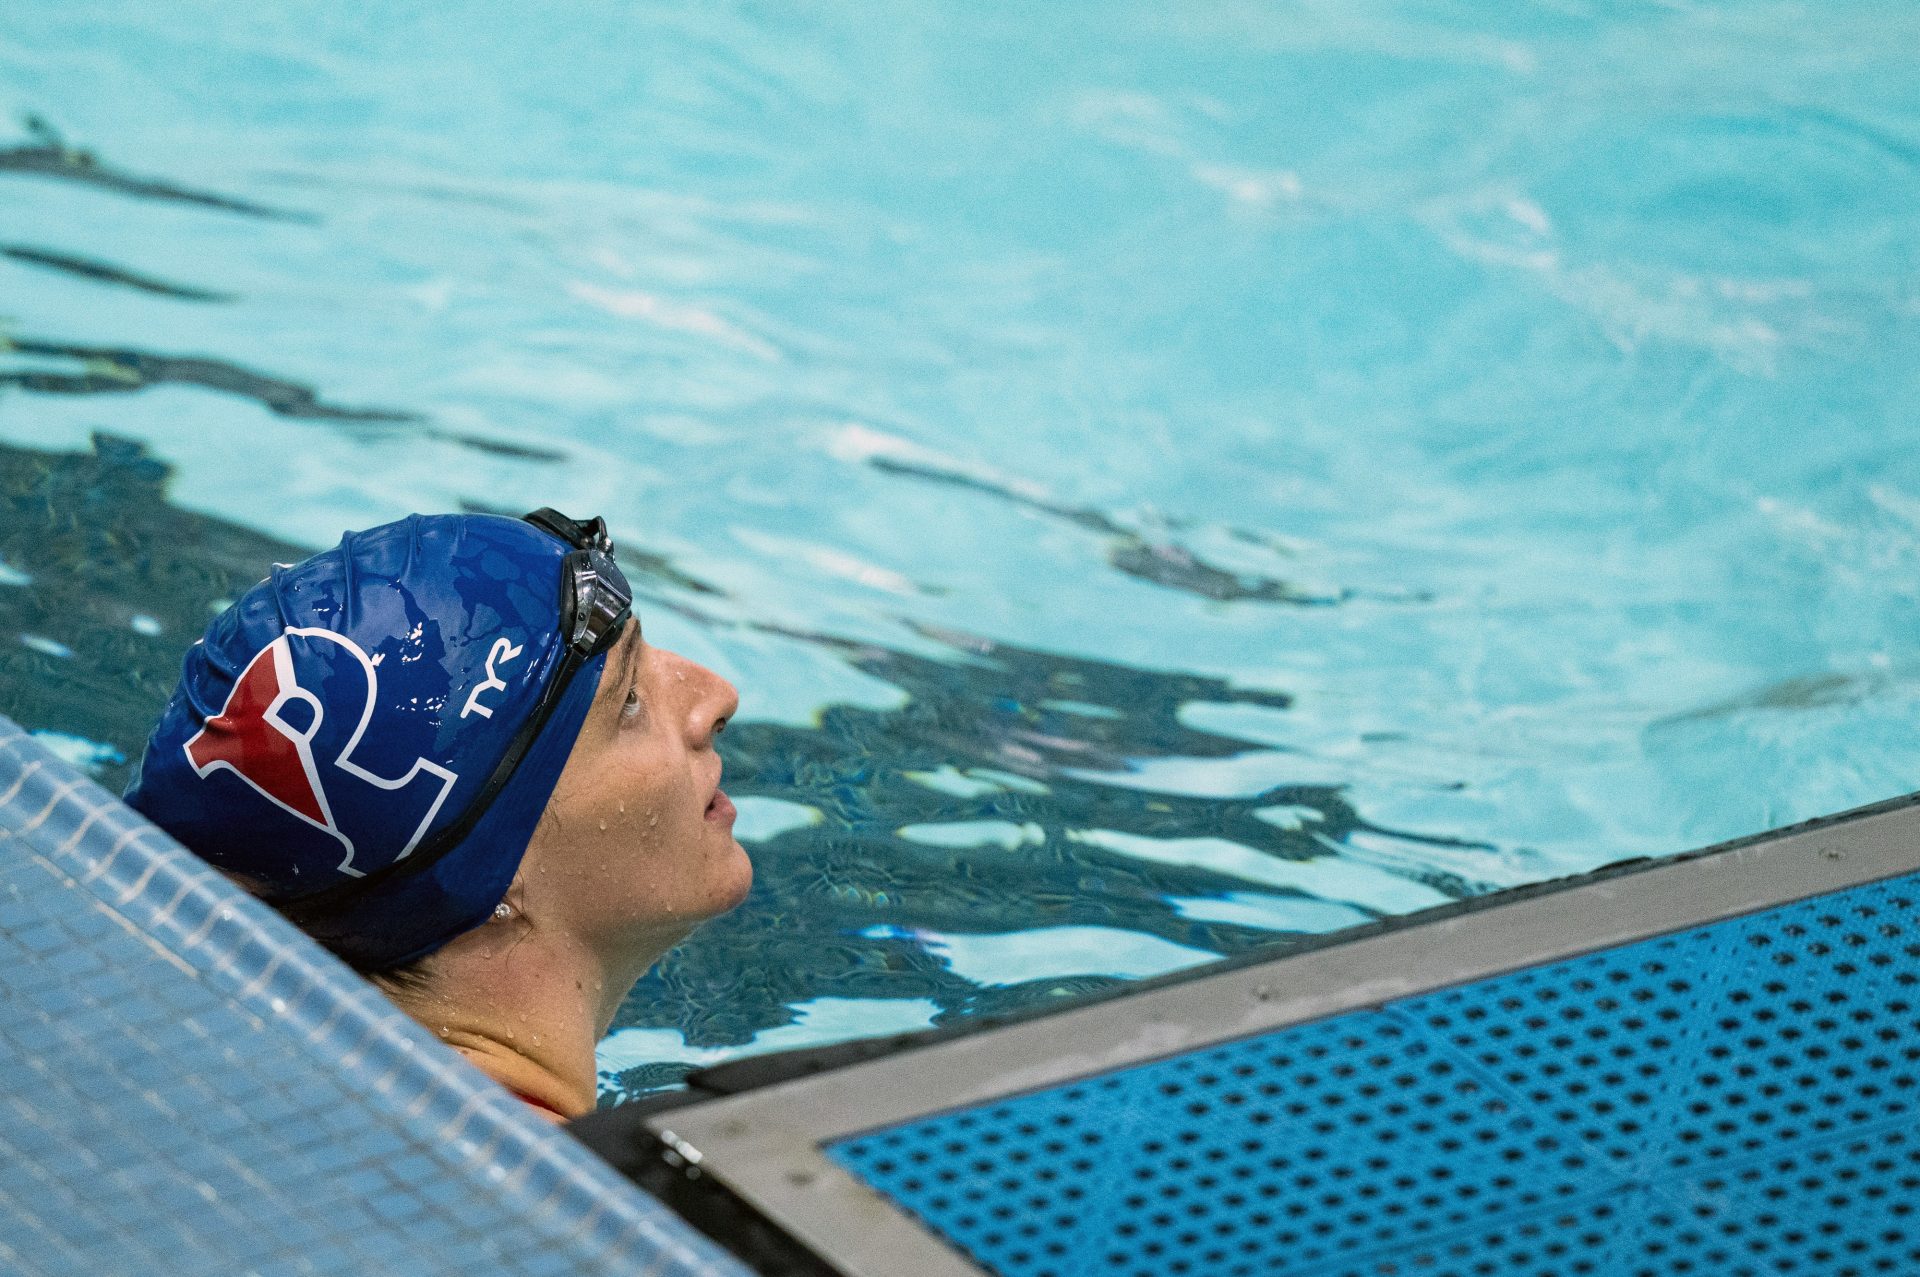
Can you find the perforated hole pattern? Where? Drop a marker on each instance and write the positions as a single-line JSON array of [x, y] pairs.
[[1735, 1099]]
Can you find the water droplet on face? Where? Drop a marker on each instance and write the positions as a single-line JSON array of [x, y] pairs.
[[603, 826], [653, 819]]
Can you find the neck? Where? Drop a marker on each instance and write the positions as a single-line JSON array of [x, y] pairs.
[[526, 1005]]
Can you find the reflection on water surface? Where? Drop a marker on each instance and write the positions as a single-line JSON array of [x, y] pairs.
[[1164, 479], [900, 853]]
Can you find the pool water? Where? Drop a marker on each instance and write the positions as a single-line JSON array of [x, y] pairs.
[[1165, 479]]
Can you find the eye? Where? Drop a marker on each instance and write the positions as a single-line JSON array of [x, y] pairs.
[[631, 709]]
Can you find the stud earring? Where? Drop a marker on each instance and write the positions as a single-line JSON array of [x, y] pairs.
[[503, 910]]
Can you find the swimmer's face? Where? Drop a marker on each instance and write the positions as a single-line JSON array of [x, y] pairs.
[[631, 853]]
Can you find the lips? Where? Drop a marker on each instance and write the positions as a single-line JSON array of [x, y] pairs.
[[720, 808]]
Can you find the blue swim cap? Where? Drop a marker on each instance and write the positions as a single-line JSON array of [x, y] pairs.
[[350, 708]]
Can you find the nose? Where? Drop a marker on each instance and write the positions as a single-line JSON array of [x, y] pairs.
[[711, 701]]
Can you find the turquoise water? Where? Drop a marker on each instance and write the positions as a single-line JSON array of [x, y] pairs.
[[1163, 478]]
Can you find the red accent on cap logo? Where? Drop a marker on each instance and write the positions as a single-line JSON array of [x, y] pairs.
[[251, 739]]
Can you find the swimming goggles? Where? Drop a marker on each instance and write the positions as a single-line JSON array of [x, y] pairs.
[[597, 599], [595, 602]]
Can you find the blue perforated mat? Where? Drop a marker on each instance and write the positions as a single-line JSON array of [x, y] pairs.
[[1734, 1099]]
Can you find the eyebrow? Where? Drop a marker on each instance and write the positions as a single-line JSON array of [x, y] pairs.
[[627, 654]]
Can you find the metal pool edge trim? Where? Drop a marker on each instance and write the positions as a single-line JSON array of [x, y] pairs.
[[766, 1145]]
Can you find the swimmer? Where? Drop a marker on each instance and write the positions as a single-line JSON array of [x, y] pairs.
[[447, 751]]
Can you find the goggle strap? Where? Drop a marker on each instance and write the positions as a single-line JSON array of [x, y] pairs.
[[308, 910], [586, 539], [591, 535]]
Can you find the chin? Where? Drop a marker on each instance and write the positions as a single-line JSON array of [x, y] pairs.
[[738, 886]]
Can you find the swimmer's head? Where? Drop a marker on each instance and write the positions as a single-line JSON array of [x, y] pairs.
[[374, 738]]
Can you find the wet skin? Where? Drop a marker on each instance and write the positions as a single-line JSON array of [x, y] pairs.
[[636, 846], [635, 849]]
